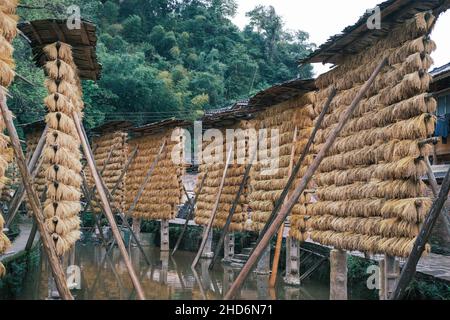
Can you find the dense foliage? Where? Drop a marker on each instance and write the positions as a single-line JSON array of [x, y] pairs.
[[164, 58]]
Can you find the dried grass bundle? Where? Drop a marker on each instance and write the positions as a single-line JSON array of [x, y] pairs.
[[8, 23], [59, 51], [59, 103], [61, 209], [60, 70], [61, 122], [58, 191], [55, 155]]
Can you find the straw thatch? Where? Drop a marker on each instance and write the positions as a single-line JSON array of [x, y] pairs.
[[8, 31], [233, 180], [370, 193], [61, 154], [111, 147], [267, 184], [163, 191]]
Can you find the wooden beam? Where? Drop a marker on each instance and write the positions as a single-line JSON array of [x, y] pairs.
[[108, 212], [190, 213], [284, 212], [409, 269], [47, 242], [214, 211]]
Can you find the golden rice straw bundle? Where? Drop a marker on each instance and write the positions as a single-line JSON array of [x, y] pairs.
[[8, 31], [62, 152], [163, 191], [104, 144]]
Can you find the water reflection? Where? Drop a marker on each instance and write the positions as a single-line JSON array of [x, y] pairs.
[[167, 278]]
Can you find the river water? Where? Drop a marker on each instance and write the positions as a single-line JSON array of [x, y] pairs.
[[167, 278]]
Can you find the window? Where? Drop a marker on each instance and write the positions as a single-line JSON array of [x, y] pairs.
[[443, 105]]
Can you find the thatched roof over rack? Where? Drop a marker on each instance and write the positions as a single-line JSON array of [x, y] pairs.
[[441, 79], [357, 37], [246, 110], [157, 127], [112, 126], [33, 126], [83, 42], [228, 115], [281, 92]]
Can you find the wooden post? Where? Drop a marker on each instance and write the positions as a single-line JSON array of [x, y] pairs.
[[228, 247], [47, 242], [207, 250], [190, 212], [338, 275], [214, 211], [292, 262], [391, 273], [284, 212], [409, 269], [263, 265], [381, 278], [137, 228], [165, 245], [106, 206], [276, 258]]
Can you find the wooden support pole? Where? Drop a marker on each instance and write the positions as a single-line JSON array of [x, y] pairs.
[[190, 213], [409, 269], [106, 206], [228, 247], [232, 210], [284, 212], [391, 274], [47, 242], [34, 166], [276, 258], [292, 262], [214, 211], [165, 245], [338, 275]]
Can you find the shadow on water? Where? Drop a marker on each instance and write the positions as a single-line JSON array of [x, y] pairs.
[[167, 278]]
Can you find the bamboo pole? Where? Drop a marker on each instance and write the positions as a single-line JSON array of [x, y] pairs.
[[276, 258], [232, 211], [190, 212], [106, 206], [34, 166], [409, 269], [301, 185], [214, 211], [125, 170], [47, 242]]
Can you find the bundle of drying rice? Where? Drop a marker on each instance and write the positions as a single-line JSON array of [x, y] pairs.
[[61, 154], [8, 31], [163, 191], [270, 175], [233, 180], [370, 194], [110, 154]]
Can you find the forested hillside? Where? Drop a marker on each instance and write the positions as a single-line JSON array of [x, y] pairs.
[[164, 58]]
